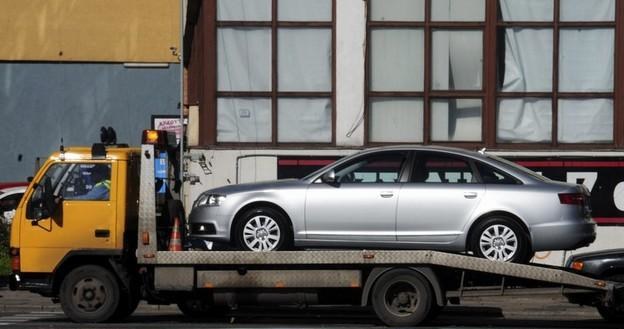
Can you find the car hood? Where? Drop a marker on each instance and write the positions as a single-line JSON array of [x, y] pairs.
[[258, 186], [597, 254]]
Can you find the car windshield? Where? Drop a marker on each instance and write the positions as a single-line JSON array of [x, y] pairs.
[[517, 166]]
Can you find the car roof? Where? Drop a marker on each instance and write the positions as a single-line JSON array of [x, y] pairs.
[[8, 185], [416, 147]]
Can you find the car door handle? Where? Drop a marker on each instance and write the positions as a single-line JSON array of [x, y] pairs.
[[386, 194], [470, 195], [102, 233]]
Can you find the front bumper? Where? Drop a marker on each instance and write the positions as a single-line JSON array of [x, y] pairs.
[[207, 223], [566, 235], [40, 283]]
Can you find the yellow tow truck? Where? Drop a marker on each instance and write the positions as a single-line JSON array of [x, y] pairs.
[[96, 232]]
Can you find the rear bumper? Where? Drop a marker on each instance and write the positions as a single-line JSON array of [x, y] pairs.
[[563, 235]]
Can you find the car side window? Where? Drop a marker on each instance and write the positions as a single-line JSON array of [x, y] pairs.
[[490, 175], [377, 168], [434, 168]]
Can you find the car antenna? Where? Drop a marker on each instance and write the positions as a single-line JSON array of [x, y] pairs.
[[482, 151]]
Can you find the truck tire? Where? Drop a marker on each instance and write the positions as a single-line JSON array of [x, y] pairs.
[[501, 238], [128, 303], [90, 294], [614, 313], [402, 297], [262, 229]]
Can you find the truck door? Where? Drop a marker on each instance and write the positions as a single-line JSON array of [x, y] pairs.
[[84, 217]]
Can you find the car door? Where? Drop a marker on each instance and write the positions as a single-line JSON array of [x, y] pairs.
[[361, 204], [437, 202], [80, 222]]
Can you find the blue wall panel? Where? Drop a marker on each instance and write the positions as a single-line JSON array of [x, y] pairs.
[[40, 103]]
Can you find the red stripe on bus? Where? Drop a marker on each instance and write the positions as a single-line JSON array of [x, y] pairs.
[[572, 164], [609, 220]]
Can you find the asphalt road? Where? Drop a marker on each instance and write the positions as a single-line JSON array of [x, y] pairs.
[[25, 310]]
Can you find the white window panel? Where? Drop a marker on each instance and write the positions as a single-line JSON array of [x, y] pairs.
[[586, 60], [304, 120], [458, 10], [524, 120], [457, 60], [456, 120], [304, 10], [244, 59], [528, 60], [587, 10], [397, 59], [243, 120], [585, 121], [244, 10], [396, 120], [304, 59], [397, 10], [527, 10]]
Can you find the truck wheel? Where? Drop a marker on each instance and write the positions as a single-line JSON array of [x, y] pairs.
[[89, 293], [500, 238], [262, 229], [402, 298], [128, 303], [614, 313]]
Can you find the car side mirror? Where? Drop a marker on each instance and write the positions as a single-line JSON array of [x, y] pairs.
[[329, 177]]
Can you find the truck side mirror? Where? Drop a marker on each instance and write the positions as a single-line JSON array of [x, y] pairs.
[[42, 203]]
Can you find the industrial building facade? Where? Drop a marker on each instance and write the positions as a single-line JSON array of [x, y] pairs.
[[279, 87]]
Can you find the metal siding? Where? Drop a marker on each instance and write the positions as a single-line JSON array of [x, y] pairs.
[[96, 30], [41, 103]]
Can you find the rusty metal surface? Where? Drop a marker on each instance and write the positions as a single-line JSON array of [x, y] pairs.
[[280, 279], [377, 257]]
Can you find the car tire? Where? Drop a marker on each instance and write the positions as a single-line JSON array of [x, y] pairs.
[[614, 313], [90, 294], [262, 229], [402, 297], [501, 238]]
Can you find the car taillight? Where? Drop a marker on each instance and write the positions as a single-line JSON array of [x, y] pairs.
[[15, 259], [572, 198]]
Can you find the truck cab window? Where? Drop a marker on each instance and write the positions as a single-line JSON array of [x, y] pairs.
[[86, 182]]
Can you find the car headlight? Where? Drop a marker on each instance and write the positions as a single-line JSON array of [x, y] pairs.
[[209, 200]]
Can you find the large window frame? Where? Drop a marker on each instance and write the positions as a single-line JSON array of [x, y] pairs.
[[490, 94], [212, 93]]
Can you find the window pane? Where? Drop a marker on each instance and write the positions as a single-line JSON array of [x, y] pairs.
[[397, 10], [243, 120], [304, 59], [524, 120], [244, 10], [244, 59], [585, 121], [528, 60], [526, 10], [490, 175], [586, 60], [587, 10], [456, 120], [433, 168], [302, 120], [377, 168], [396, 120], [304, 10], [397, 59], [457, 60], [458, 10]]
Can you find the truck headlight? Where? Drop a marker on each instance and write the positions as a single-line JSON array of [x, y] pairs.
[[209, 200]]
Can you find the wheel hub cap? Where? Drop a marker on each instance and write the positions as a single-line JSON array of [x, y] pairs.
[[498, 242], [261, 233]]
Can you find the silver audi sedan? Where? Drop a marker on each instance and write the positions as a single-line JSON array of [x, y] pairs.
[[403, 197]]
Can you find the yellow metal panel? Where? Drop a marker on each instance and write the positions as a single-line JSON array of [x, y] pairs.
[[89, 30]]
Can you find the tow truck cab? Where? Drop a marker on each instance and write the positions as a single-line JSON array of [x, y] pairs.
[[66, 219]]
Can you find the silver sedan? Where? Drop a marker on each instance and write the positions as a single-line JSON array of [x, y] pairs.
[[411, 197]]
